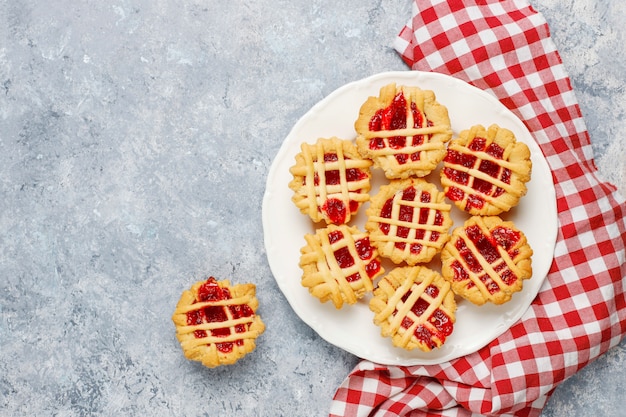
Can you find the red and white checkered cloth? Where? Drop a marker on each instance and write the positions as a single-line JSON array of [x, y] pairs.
[[504, 47]]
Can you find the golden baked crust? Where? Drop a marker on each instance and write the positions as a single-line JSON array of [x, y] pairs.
[[487, 259], [415, 307], [408, 221], [330, 180], [339, 264], [404, 131], [485, 171], [216, 323]]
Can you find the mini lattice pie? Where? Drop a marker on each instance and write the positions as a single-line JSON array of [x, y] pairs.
[[487, 259], [485, 171], [415, 307], [339, 264], [404, 131], [216, 323], [330, 180], [408, 221]]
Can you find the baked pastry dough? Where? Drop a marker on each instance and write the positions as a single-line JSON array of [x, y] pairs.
[[216, 323], [415, 307], [408, 221], [404, 131], [330, 180], [485, 171], [487, 259], [339, 264]]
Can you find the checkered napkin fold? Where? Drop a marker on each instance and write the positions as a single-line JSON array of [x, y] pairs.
[[504, 47]]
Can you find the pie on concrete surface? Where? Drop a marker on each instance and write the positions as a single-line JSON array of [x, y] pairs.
[[217, 323]]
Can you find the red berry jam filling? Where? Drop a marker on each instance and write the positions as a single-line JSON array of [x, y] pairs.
[[336, 210], [488, 167], [406, 215], [364, 250], [394, 117], [443, 325], [505, 237], [211, 291], [486, 247]]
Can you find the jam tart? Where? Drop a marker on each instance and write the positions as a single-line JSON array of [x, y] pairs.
[[414, 306], [330, 180], [485, 170], [487, 259], [404, 131], [217, 323], [339, 264], [408, 221]]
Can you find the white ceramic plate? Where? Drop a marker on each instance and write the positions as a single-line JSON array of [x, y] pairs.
[[351, 328]]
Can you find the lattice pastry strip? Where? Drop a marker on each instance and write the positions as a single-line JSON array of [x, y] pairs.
[[216, 323], [408, 221], [330, 180], [485, 171], [487, 259], [404, 131], [415, 307], [339, 264]]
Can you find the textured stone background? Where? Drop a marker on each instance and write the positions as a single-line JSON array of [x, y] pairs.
[[135, 138]]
